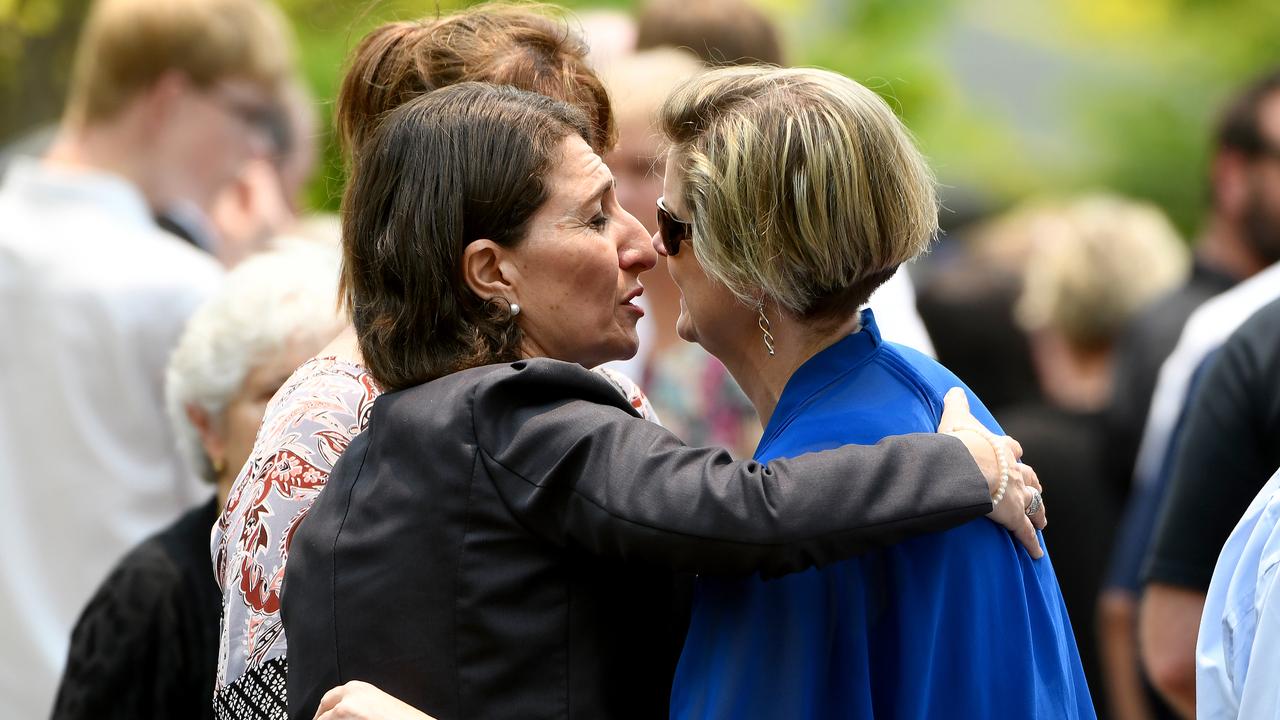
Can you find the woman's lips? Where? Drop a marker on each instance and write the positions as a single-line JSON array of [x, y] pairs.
[[629, 297]]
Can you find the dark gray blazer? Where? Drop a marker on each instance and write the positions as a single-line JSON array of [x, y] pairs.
[[504, 542]]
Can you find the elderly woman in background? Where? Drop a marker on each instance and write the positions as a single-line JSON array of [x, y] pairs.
[[789, 196], [500, 541], [1092, 264], [146, 644]]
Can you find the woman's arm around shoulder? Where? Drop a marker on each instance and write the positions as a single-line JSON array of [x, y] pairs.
[[578, 466]]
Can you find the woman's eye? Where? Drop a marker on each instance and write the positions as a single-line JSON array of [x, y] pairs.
[[599, 222]]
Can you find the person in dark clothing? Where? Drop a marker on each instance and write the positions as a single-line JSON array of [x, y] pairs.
[[1069, 445], [1229, 448], [146, 645], [1141, 350]]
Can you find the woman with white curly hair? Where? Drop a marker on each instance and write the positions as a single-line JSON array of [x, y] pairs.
[[159, 607]]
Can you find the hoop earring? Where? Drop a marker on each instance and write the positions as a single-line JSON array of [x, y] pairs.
[[763, 322]]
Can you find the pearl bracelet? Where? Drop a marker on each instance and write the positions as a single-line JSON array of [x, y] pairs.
[[1001, 460]]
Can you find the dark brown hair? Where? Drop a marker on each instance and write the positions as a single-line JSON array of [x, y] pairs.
[[721, 32], [515, 45], [443, 170], [1239, 127]]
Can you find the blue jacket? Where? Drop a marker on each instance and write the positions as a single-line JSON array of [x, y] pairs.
[[957, 624]]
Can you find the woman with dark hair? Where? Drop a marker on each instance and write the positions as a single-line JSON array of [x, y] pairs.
[[327, 401], [502, 540]]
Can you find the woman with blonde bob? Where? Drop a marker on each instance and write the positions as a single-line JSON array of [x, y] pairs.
[[789, 196]]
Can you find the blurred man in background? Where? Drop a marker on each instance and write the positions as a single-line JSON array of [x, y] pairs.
[[1177, 570], [168, 100], [1240, 244]]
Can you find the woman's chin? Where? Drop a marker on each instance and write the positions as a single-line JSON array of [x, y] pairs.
[[626, 347], [685, 328]]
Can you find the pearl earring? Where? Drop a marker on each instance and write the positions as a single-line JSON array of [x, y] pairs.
[[515, 309]]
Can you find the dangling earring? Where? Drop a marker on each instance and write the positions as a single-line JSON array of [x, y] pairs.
[[515, 309], [763, 322]]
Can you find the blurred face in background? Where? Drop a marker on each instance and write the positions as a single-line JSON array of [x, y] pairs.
[[204, 136], [1261, 212], [244, 411], [636, 163], [228, 437], [250, 211]]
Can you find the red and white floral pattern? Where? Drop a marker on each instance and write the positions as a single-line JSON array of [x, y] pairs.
[[308, 424]]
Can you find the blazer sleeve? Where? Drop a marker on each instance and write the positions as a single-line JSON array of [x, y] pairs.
[[579, 468]]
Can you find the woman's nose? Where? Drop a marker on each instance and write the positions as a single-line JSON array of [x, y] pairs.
[[636, 251], [658, 247]]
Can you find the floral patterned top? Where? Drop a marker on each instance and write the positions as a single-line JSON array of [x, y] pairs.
[[307, 425]]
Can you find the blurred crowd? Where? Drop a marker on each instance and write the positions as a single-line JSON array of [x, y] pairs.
[[161, 279]]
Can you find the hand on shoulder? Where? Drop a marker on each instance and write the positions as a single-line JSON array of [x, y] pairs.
[[1015, 488]]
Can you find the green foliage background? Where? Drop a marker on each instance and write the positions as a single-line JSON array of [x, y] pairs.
[[1009, 99]]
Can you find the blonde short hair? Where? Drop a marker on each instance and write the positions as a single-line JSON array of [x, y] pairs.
[[1093, 263], [801, 184], [127, 45]]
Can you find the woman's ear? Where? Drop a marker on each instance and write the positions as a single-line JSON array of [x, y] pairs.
[[483, 270], [211, 436]]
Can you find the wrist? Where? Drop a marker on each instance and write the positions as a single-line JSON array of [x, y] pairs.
[[1002, 460]]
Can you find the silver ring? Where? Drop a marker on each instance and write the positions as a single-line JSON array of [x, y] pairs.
[[1036, 503]]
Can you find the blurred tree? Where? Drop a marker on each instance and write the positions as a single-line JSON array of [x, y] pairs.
[[37, 42], [1007, 99]]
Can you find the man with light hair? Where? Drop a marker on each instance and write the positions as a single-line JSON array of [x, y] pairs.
[[168, 99]]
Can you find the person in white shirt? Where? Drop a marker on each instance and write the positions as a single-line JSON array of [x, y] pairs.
[[93, 297], [1238, 649]]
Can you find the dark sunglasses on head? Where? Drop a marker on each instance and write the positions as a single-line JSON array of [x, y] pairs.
[[672, 230]]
